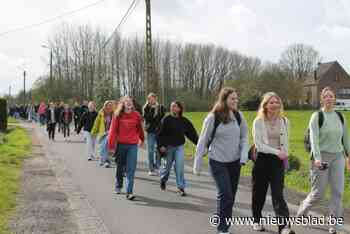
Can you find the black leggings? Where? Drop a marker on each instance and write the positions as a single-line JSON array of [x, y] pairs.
[[269, 170]]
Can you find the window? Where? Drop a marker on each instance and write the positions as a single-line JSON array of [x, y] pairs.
[[344, 91]]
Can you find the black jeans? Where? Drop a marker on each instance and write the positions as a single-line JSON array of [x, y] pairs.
[[66, 129], [226, 177], [269, 170], [51, 127]]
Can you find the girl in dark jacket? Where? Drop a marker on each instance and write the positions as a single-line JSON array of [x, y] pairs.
[[171, 141], [87, 122]]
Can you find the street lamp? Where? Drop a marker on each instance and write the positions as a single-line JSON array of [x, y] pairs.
[[50, 83]]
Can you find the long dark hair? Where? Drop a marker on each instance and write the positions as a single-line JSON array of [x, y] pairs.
[[220, 108], [179, 104]]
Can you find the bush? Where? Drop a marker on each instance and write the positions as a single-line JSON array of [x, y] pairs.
[[294, 163], [3, 114]]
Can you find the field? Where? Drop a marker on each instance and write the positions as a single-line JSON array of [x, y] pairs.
[[297, 180], [15, 148]]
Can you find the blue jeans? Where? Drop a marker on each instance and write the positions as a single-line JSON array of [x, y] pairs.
[[126, 158], [104, 149], [226, 177], [153, 158], [176, 154]]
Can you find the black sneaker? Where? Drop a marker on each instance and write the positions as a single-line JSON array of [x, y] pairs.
[[182, 192], [162, 185], [130, 196]]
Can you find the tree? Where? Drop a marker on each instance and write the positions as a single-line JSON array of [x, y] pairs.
[[299, 61]]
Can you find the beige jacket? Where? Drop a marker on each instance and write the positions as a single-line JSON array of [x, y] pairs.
[[261, 140]]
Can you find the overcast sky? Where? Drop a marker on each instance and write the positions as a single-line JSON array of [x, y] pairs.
[[253, 27]]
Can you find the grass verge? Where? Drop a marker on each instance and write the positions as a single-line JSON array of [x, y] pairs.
[[16, 147]]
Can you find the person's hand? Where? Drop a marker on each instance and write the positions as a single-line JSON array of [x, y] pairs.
[[318, 163], [282, 155], [141, 143], [162, 149]]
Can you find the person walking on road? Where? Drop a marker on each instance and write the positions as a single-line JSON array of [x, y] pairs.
[[125, 135], [42, 113], [87, 121], [171, 143], [153, 112], [101, 128], [52, 117], [329, 142], [66, 119], [270, 135], [224, 136], [77, 116]]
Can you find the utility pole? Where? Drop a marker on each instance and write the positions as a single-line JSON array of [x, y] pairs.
[[151, 78], [24, 87], [10, 91], [51, 89]]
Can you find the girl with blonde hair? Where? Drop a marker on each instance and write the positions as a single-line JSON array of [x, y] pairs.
[[101, 128], [125, 135], [270, 135], [329, 144]]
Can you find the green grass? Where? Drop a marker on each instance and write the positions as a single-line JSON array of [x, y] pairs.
[[297, 180], [16, 147], [12, 120]]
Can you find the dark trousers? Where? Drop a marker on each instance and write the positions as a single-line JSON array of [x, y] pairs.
[[66, 129], [226, 177], [76, 123], [51, 127], [269, 170]]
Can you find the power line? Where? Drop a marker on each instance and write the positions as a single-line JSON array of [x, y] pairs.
[[51, 19], [123, 20]]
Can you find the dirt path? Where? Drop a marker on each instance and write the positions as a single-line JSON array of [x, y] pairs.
[[43, 207]]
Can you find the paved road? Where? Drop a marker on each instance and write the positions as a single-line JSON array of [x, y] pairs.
[[153, 211]]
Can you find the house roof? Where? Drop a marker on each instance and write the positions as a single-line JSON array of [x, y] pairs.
[[321, 70]]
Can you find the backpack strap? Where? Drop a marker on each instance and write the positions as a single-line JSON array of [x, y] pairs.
[[320, 119], [341, 117], [217, 122], [238, 117]]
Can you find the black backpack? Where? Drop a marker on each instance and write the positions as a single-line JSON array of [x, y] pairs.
[[307, 144], [217, 122]]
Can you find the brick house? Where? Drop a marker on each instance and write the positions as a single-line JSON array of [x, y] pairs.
[[330, 74]]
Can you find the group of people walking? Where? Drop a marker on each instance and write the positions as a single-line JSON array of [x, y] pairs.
[[120, 125], [225, 137]]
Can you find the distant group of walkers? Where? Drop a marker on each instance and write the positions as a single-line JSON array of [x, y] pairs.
[[119, 129]]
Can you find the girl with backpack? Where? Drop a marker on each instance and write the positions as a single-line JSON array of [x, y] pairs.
[[225, 136], [270, 135], [100, 128], [171, 143], [329, 143], [125, 135]]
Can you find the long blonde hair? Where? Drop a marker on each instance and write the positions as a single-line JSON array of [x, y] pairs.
[[120, 108], [324, 91], [262, 112], [105, 105]]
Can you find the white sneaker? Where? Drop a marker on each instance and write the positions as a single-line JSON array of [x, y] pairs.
[[258, 227], [332, 230], [224, 233], [152, 173], [106, 165]]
